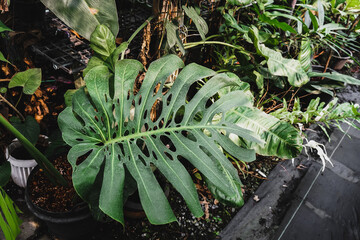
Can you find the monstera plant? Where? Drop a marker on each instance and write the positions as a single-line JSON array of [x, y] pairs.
[[115, 137]]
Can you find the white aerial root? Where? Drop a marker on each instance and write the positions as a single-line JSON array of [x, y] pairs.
[[320, 148], [321, 151]]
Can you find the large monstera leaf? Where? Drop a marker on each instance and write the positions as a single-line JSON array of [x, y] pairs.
[[116, 133], [281, 138]]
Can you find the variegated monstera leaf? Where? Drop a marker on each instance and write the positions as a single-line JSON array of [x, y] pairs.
[[112, 128]]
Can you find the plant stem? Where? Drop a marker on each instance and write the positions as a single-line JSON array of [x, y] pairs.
[[135, 33], [139, 29], [194, 44], [18, 101], [43, 162], [12, 106]]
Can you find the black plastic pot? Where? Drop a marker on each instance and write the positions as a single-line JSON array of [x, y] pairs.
[[75, 224]]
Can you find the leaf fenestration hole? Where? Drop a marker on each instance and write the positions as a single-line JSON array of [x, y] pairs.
[[169, 156], [155, 156], [168, 143], [142, 160], [179, 115], [189, 136], [82, 158], [145, 114], [142, 146], [168, 100], [122, 149]]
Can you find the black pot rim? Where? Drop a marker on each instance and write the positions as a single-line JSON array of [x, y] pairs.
[[79, 212]]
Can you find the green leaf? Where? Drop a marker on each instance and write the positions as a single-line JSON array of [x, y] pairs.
[[281, 139], [30, 128], [121, 136], [2, 58], [231, 22], [239, 2], [85, 15], [102, 41], [9, 221], [30, 80], [3, 27], [173, 36], [93, 62], [200, 23], [314, 21], [3, 90], [321, 13], [305, 54], [274, 22], [353, 6], [336, 76], [280, 66]]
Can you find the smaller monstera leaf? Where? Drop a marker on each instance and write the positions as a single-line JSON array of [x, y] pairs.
[[121, 134]]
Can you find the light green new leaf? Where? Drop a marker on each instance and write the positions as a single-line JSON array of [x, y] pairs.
[[122, 136], [9, 221], [30, 80], [353, 6], [200, 23], [3, 27], [84, 15], [239, 2], [281, 138]]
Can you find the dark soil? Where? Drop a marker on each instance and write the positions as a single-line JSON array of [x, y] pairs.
[[49, 196], [21, 153]]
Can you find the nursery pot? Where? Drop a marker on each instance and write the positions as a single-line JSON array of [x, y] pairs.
[[20, 168], [74, 224], [338, 62]]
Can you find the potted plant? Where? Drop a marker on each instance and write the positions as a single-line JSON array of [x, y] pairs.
[[59, 223], [119, 136]]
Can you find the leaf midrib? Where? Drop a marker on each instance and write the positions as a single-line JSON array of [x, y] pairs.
[[163, 130]]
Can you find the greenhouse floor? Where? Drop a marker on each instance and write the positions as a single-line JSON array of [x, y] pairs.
[[300, 201], [326, 204]]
